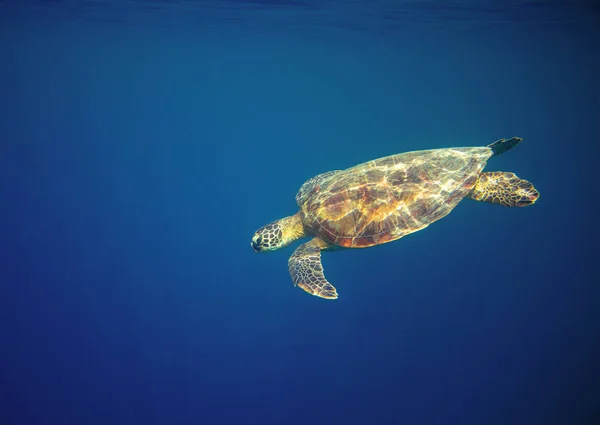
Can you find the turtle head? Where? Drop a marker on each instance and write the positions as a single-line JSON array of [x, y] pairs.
[[277, 234], [268, 238]]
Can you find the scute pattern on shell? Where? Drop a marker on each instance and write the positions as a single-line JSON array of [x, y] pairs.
[[382, 200]]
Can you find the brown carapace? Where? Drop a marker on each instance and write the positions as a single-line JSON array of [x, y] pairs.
[[383, 200]]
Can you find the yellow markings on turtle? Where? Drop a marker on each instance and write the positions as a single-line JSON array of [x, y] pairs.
[[505, 189], [447, 186], [307, 271]]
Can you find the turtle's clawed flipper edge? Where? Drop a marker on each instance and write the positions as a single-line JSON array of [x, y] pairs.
[[505, 189], [503, 145], [307, 272]]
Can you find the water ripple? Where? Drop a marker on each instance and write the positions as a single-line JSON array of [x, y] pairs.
[[350, 15]]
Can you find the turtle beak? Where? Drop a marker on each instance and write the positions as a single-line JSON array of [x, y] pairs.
[[255, 244]]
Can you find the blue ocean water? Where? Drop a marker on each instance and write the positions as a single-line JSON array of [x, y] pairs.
[[143, 142]]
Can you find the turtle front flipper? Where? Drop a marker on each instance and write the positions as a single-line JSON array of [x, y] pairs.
[[505, 189], [307, 271]]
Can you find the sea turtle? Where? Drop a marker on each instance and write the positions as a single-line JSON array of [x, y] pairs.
[[383, 200]]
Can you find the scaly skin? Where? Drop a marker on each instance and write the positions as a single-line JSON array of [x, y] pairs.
[[505, 189]]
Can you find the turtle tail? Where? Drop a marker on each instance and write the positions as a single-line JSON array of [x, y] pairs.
[[503, 145]]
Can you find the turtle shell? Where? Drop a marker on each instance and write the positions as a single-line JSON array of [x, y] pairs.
[[383, 200]]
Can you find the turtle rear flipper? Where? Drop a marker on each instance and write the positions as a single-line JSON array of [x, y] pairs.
[[505, 189], [307, 272], [502, 145]]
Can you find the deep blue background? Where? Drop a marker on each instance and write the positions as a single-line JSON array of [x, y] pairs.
[[143, 142]]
